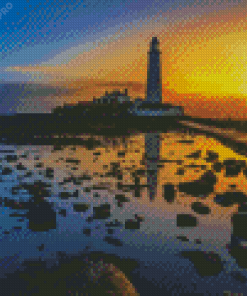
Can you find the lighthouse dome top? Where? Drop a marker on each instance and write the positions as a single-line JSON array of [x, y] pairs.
[[154, 44]]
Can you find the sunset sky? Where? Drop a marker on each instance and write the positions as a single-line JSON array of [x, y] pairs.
[[87, 45]]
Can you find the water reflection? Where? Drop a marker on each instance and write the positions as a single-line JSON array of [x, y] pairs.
[[152, 150]]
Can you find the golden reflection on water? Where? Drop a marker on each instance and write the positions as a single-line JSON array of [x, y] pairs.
[[97, 162]]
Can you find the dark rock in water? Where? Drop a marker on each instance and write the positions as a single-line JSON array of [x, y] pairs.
[[198, 241], [37, 189], [41, 247], [206, 264], [11, 158], [49, 173], [169, 192], [81, 207], [110, 231], [211, 156], [102, 212], [180, 172], [7, 171], [132, 224], [113, 224], [203, 186], [239, 221], [195, 155], [240, 254], [233, 167], [113, 241], [63, 212], [87, 231], [199, 208], [183, 238], [28, 174], [41, 217], [239, 277], [186, 220], [217, 166], [121, 198], [21, 167], [228, 199]]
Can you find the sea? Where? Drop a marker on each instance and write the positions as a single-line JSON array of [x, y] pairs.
[[128, 174]]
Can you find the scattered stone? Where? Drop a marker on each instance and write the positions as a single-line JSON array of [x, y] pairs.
[[206, 264], [113, 241], [199, 208], [183, 238], [49, 173], [186, 220], [240, 254], [121, 198], [198, 241], [21, 167], [71, 160], [132, 224], [28, 174], [239, 277], [186, 141], [7, 171], [81, 207], [11, 158], [211, 156], [195, 155], [65, 195], [39, 165], [217, 167], [114, 224], [110, 231], [63, 212], [102, 212], [87, 231], [228, 199], [233, 167], [203, 186], [169, 192], [180, 172], [41, 217], [41, 247], [121, 153]]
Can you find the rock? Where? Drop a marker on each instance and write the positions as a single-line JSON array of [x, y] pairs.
[[195, 155], [102, 212], [183, 238], [233, 167], [228, 199], [180, 172], [63, 212], [121, 198], [206, 264], [217, 166], [11, 158], [240, 254], [203, 186], [41, 217], [49, 173], [186, 220], [87, 231], [114, 224], [169, 192], [41, 247], [21, 167], [199, 208], [239, 277], [7, 171], [113, 241], [211, 156], [132, 224], [81, 207]]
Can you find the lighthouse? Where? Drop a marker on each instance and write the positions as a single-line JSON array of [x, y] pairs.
[[154, 87]]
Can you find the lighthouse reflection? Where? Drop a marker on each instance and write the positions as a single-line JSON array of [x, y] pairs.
[[152, 150]]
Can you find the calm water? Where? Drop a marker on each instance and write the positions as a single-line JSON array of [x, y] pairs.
[[137, 167]]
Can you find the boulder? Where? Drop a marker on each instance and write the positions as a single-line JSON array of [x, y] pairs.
[[186, 220]]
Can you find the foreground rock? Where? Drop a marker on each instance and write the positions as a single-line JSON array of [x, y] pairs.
[[202, 187], [186, 220], [228, 199], [206, 264], [199, 208]]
